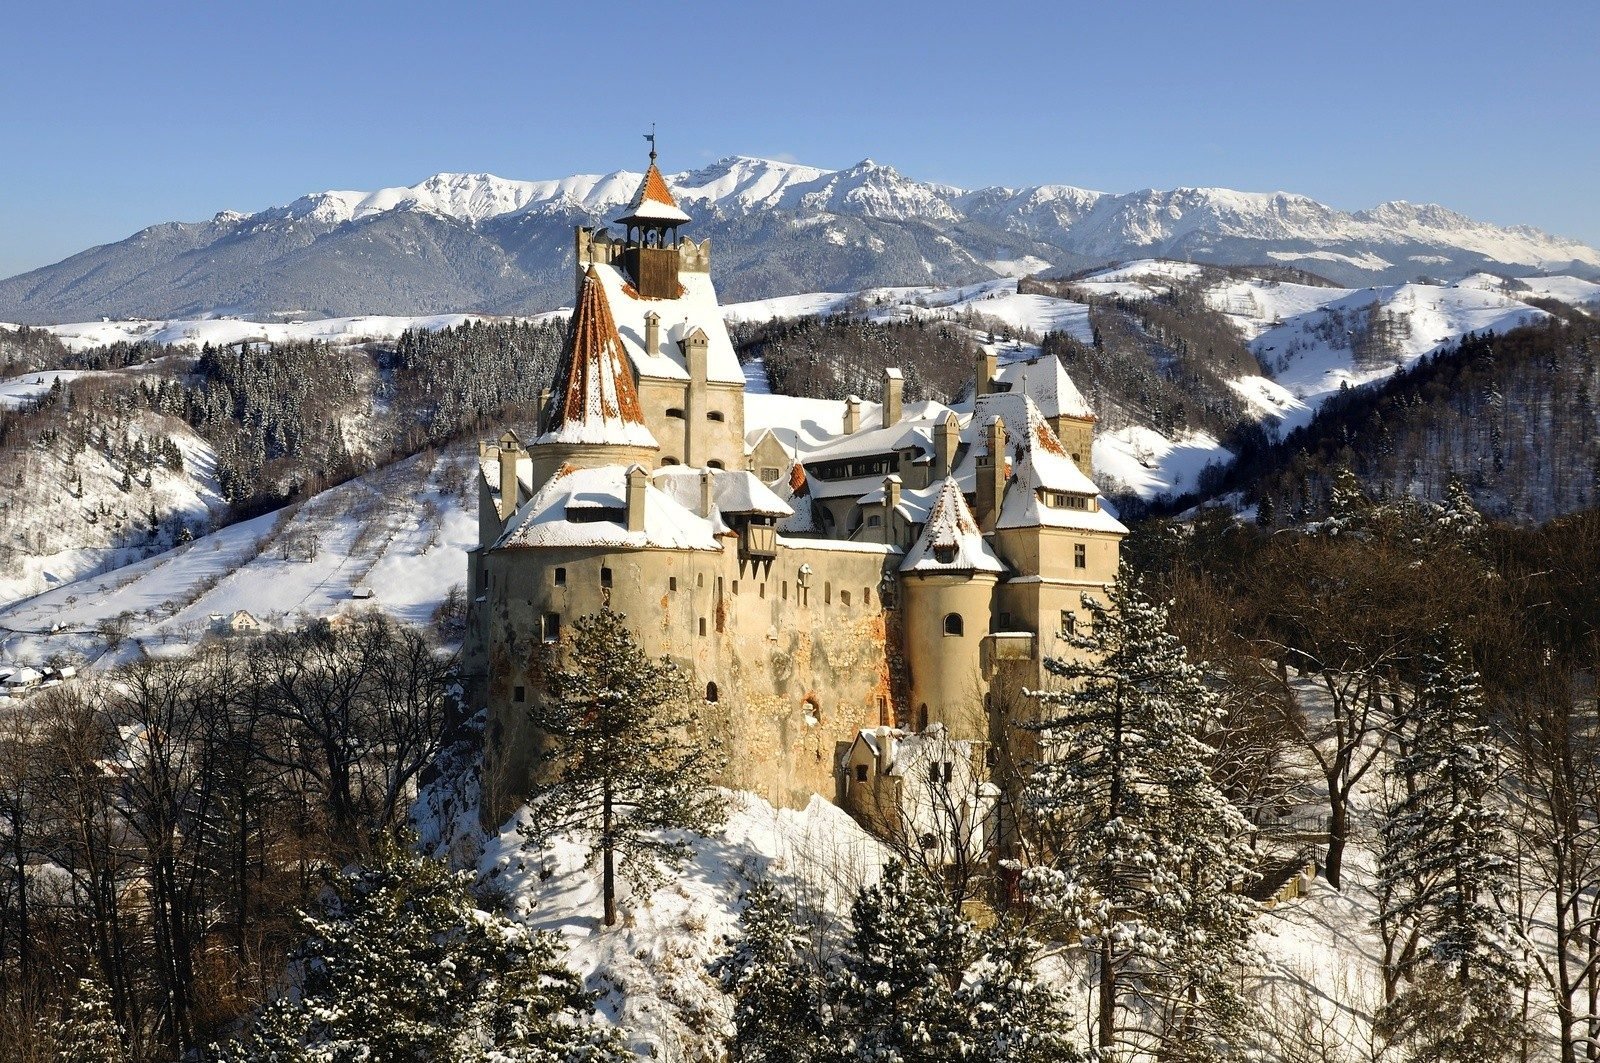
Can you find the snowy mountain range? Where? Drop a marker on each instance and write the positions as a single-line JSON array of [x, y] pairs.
[[476, 242]]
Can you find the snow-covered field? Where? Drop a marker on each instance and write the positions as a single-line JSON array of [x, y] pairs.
[[219, 331], [400, 532]]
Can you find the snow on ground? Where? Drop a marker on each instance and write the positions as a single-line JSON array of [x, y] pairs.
[[1310, 352], [401, 531], [218, 331], [653, 969], [1144, 461], [1567, 289], [816, 304], [68, 517]]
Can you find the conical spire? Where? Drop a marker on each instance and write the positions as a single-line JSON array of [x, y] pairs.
[[951, 541], [596, 401], [653, 204]]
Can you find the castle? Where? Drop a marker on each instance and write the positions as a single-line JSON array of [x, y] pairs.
[[828, 574]]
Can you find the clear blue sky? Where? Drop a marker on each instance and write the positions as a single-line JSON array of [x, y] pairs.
[[118, 115]]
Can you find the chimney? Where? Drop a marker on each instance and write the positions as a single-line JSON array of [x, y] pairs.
[[988, 366], [891, 503], [852, 415], [991, 473], [694, 354], [886, 749], [510, 451], [637, 480], [894, 388], [708, 493], [652, 333], [946, 438]]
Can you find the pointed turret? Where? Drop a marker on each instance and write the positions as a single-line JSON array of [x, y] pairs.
[[596, 402], [652, 205], [650, 248], [951, 541]]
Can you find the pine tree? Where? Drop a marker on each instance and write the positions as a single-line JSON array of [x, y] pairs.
[[89, 1032], [1441, 874], [895, 990], [1146, 854], [624, 762], [776, 986], [916, 982], [402, 965]]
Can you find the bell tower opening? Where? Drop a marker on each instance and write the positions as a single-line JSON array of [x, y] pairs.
[[650, 246]]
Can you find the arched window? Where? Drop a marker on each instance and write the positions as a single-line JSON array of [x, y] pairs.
[[715, 415], [953, 624], [714, 463], [674, 412], [668, 461], [711, 693]]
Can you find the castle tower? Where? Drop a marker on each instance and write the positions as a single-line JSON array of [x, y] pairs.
[[650, 244], [595, 417], [947, 584]]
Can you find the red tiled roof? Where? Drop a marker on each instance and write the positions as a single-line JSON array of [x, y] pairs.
[[655, 188], [596, 383]]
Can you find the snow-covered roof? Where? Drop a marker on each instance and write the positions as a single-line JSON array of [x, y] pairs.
[[653, 202], [695, 307], [1045, 381], [595, 401], [915, 503], [1023, 507], [951, 540], [814, 428], [733, 491], [1029, 435], [544, 520]]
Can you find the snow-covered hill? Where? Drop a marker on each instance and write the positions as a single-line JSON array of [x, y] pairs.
[[400, 532], [492, 244]]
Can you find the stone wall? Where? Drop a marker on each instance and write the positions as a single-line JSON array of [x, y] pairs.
[[796, 650]]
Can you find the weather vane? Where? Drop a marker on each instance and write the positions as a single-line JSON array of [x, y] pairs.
[[651, 137]]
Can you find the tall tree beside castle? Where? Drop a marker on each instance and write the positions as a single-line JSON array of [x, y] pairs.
[[915, 980], [1442, 877], [401, 964], [1144, 855], [625, 762]]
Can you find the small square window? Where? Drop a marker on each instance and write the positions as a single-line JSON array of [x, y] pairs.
[[861, 773], [519, 694], [702, 626], [672, 583], [1069, 623], [561, 577], [785, 590], [736, 586], [1080, 556], [551, 629], [605, 577], [699, 579], [844, 598], [761, 590]]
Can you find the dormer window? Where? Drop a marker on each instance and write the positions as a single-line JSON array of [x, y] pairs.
[[945, 554]]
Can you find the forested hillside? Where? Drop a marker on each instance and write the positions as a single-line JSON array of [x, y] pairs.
[[128, 449], [1513, 416]]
